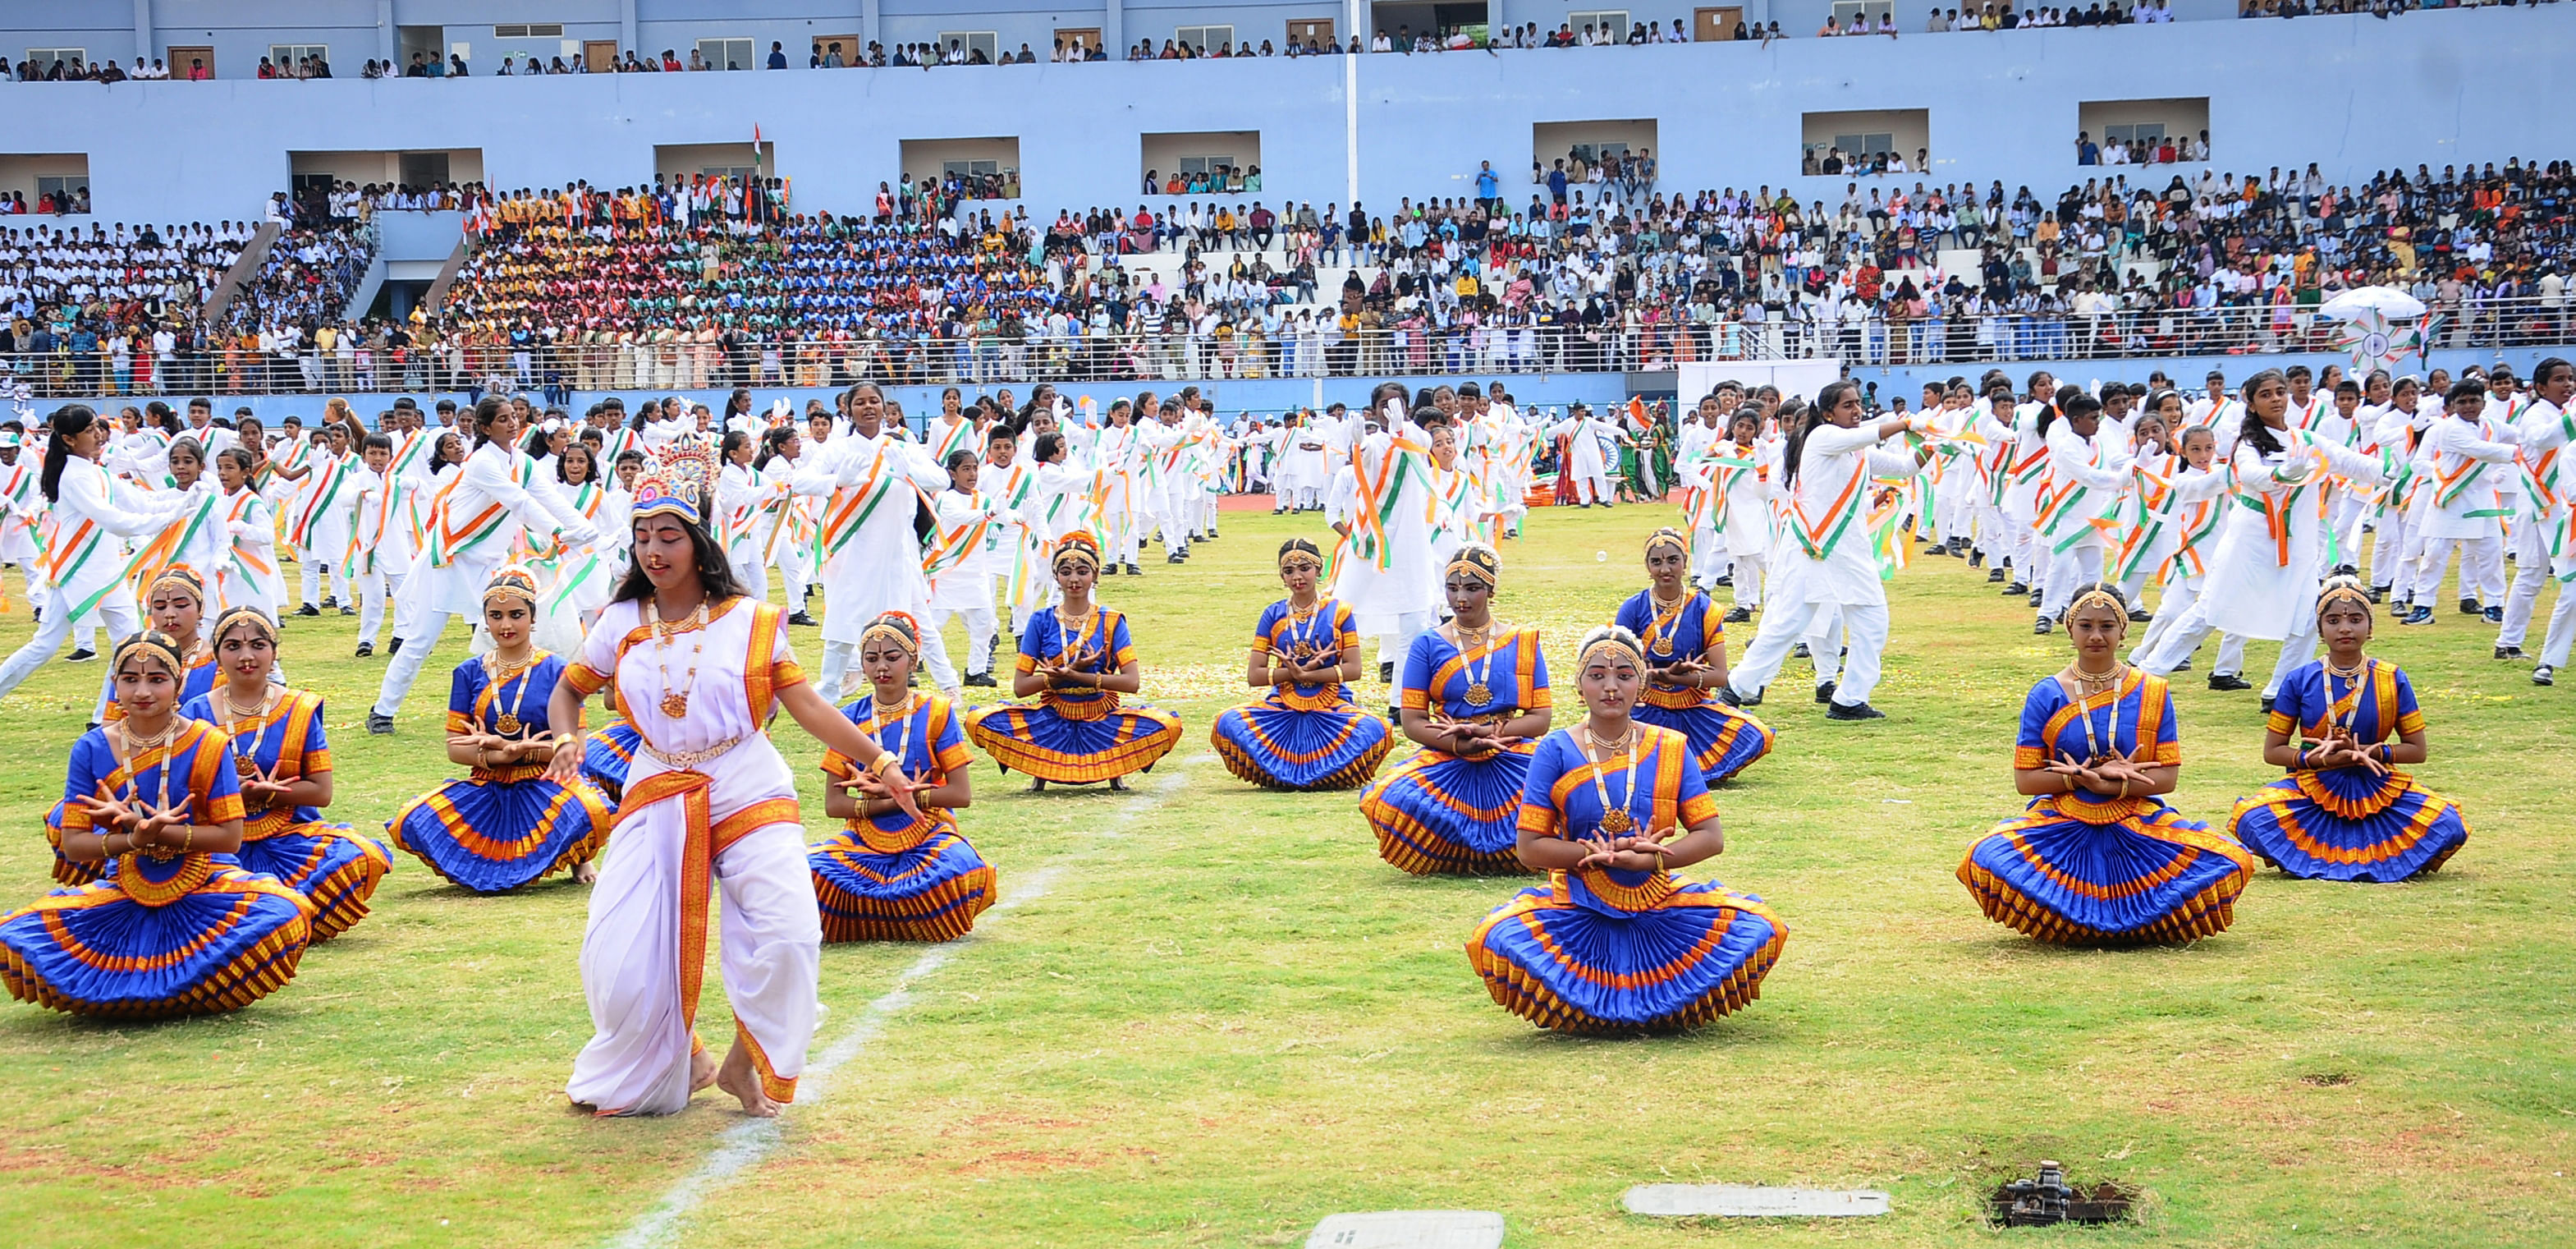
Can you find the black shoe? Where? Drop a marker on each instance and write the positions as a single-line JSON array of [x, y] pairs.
[[1134, 571], [1726, 694], [1800, 651], [2468, 607], [2228, 682], [81, 656], [308, 610], [1109, 569], [2495, 615], [330, 600], [2041, 625], [2017, 589], [2267, 704], [2544, 675], [1994, 575], [2510, 652], [1727, 582], [1825, 692], [2347, 570], [348, 611], [2141, 615], [1175, 558], [2184, 666], [2036, 596], [1738, 615], [1279, 511], [1742, 701], [981, 680], [2379, 594], [1386, 671], [804, 618], [365, 649], [1976, 559], [1863, 711], [394, 647], [379, 724]]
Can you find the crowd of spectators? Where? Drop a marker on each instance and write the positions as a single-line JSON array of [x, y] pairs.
[[306, 279], [89, 312]]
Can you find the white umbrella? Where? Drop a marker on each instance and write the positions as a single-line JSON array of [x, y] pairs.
[[2386, 301]]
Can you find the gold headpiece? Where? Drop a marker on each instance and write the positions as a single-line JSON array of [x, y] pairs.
[[1296, 551], [179, 575], [2102, 595], [1610, 638], [1667, 536], [2343, 589], [1476, 560], [1078, 545], [244, 613], [151, 642], [896, 627], [513, 581]]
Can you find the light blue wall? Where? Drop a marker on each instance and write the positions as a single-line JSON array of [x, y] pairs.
[[2431, 87]]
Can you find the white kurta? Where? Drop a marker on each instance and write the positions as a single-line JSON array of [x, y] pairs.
[[2468, 472], [872, 558], [1399, 476], [1830, 497], [2260, 585], [731, 821]]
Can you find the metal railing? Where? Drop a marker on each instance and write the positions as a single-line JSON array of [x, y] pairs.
[[1157, 356]]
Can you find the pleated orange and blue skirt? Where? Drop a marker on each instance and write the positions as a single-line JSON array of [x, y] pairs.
[[1723, 740], [66, 871], [607, 754], [922, 883], [335, 868], [1440, 814], [1607, 951], [2116, 872], [496, 831], [2350, 824], [1111, 740], [155, 938], [1276, 744]]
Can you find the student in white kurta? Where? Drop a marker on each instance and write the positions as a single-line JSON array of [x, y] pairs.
[[1823, 563], [90, 512], [1741, 471], [2461, 514], [699, 669], [960, 564], [873, 485], [2183, 503], [382, 524], [1588, 455], [1383, 499], [1692, 447], [2544, 546], [2263, 576], [476, 516]]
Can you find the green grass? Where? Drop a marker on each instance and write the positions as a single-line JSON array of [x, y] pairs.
[[1226, 1018]]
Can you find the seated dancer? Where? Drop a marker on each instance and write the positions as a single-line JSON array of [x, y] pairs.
[[2100, 859], [1077, 659], [699, 668], [1612, 943], [2344, 812], [174, 927], [891, 874], [508, 823], [1305, 733], [175, 604], [610, 751], [284, 760], [1475, 699], [1685, 640]]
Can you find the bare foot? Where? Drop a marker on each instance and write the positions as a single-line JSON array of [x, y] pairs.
[[702, 1072], [742, 1080], [585, 872]]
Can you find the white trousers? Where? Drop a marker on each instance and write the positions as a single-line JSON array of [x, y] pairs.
[[2388, 552], [839, 657], [116, 609], [1397, 647], [2068, 569], [373, 589], [2436, 560], [417, 642], [980, 626], [331, 578], [1786, 625], [1591, 487], [2531, 572], [753, 573], [637, 1061], [2187, 633], [1749, 571]]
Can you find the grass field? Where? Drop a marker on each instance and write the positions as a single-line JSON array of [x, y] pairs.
[[1208, 1015]]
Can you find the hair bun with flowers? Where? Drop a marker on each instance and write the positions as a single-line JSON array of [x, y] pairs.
[[678, 480]]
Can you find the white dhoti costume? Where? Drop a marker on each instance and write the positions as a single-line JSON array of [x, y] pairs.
[[709, 803]]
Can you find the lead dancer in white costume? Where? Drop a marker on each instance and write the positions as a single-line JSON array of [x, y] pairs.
[[699, 667]]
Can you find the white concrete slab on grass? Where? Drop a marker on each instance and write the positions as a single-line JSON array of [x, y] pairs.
[[1754, 1201], [1410, 1229]]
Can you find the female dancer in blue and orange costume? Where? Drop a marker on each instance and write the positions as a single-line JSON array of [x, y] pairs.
[[2100, 859], [892, 875], [508, 823], [1685, 640], [1612, 943], [2344, 812], [1077, 659], [1305, 734], [174, 604], [284, 760], [1475, 698], [175, 927]]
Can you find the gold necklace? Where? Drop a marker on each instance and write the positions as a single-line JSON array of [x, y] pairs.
[[2086, 681], [509, 724], [2353, 673], [246, 763], [1479, 694], [1667, 619], [1614, 820], [675, 699]]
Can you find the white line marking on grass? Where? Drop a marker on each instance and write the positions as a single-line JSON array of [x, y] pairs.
[[747, 1144]]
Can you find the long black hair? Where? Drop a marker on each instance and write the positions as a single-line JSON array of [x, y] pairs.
[[715, 572], [1826, 401], [490, 406], [67, 420], [2251, 428], [773, 445]]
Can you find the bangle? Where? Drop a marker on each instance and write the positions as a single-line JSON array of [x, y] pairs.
[[885, 762], [2387, 753], [189, 843], [2302, 762], [2124, 789]]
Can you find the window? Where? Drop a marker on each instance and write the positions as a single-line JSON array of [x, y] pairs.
[[1615, 21], [969, 168], [1865, 144], [2142, 132], [1206, 164], [45, 58], [967, 43], [529, 30], [289, 55], [727, 53], [1591, 153], [1205, 38], [60, 188], [1848, 11]]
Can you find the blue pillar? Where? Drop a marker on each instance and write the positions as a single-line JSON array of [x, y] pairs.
[[626, 34], [142, 32], [1113, 30], [871, 28], [386, 41]]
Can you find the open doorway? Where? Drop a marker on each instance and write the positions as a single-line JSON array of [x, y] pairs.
[[184, 59], [838, 51]]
